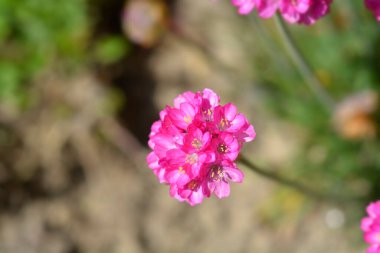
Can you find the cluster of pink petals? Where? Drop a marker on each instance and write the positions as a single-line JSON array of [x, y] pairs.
[[371, 227], [374, 6], [305, 12], [195, 144], [294, 11]]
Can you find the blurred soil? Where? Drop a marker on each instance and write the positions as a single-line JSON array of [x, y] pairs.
[[73, 179]]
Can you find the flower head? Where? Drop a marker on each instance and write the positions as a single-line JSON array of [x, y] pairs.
[[305, 12], [194, 145], [371, 227]]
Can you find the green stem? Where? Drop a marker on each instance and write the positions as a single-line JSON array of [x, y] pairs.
[[296, 185], [303, 66]]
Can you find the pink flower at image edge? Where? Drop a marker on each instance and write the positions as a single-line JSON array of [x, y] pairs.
[[305, 12], [371, 227], [194, 146], [374, 6]]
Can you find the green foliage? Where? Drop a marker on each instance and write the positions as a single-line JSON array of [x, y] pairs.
[[110, 49], [343, 50], [34, 34]]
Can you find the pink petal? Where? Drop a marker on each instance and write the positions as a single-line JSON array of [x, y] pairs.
[[196, 197], [162, 143], [222, 189], [174, 192], [237, 124], [366, 223], [373, 209], [375, 248], [152, 160], [268, 8], [246, 8], [177, 117], [250, 134], [229, 111], [212, 97], [176, 157], [234, 174], [186, 97], [172, 176], [372, 237], [188, 110], [164, 112]]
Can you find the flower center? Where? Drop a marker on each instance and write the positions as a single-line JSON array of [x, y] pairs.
[[196, 144], [217, 173], [193, 185], [222, 148], [187, 119], [181, 170], [191, 159], [223, 124], [207, 115]]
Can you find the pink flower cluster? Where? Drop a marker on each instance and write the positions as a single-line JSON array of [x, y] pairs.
[[305, 12], [374, 6], [371, 227], [195, 144], [294, 11]]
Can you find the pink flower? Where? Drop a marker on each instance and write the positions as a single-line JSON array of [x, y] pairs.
[[374, 6], [294, 11], [371, 227], [227, 119], [226, 147], [220, 174], [194, 145], [193, 191], [305, 12]]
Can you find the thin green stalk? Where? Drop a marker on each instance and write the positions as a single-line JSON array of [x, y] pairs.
[[303, 66], [328, 197]]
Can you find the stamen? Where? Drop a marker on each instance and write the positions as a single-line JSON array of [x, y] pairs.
[[207, 115], [216, 173], [187, 119], [222, 148], [192, 185], [181, 170], [196, 144], [223, 124], [191, 159]]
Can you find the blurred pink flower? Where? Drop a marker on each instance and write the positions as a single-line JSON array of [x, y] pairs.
[[195, 144], [294, 11], [245, 6], [374, 6], [304, 11], [371, 227], [144, 21]]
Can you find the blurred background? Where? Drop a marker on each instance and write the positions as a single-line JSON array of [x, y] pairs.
[[82, 81]]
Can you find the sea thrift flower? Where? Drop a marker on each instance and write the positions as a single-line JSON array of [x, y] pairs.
[[305, 12], [294, 11], [371, 227], [194, 146], [374, 6]]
